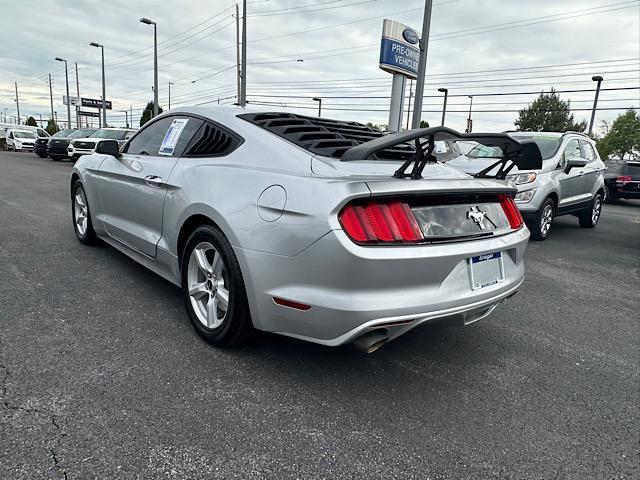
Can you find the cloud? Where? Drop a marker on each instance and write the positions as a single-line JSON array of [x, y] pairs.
[[337, 42]]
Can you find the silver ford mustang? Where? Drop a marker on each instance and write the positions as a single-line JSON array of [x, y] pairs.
[[318, 229]]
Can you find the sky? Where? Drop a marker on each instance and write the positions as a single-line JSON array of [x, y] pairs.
[[478, 48]]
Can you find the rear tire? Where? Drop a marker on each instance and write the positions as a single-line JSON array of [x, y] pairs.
[[81, 216], [589, 217], [541, 226], [213, 289]]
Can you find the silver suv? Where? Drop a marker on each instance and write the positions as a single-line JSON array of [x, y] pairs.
[[570, 180]]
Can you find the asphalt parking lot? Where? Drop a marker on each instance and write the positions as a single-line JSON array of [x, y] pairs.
[[103, 377]]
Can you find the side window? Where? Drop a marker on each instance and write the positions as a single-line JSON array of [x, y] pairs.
[[149, 139], [213, 140], [10, 134], [571, 150], [587, 151]]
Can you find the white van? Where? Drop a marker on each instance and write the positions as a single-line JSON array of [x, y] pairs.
[[5, 127], [21, 140]]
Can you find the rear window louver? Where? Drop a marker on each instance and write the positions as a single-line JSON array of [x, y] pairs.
[[322, 136], [212, 141]]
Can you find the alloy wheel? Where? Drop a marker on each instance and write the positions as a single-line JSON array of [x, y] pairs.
[[80, 212], [597, 208], [207, 284], [546, 219]]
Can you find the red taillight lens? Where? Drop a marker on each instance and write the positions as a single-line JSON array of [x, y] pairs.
[[380, 222], [624, 179], [511, 211]]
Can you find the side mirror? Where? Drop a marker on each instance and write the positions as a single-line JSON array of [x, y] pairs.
[[108, 147], [573, 162]]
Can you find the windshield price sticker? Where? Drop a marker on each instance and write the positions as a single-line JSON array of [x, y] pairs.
[[172, 136]]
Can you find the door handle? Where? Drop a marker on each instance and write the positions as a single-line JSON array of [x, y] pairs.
[[153, 181]]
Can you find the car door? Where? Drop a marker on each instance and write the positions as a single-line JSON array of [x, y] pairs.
[[571, 184], [592, 170], [133, 187]]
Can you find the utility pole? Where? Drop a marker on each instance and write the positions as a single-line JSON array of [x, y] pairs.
[[78, 95], [40, 115], [238, 52], [51, 96], [422, 64], [409, 104], [243, 69], [17, 102], [170, 83], [444, 105], [126, 116], [595, 78]]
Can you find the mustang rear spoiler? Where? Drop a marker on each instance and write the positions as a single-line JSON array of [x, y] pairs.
[[525, 155]]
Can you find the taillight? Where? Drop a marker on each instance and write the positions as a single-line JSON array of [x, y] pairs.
[[380, 222], [511, 211], [623, 179]]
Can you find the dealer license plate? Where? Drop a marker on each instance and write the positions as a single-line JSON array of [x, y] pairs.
[[486, 270]]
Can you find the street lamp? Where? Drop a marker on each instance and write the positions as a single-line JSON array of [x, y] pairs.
[[469, 122], [104, 95], [319, 100], [170, 83], [146, 21], [66, 75], [595, 78], [444, 105]]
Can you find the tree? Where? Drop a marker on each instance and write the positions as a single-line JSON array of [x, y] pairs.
[[622, 137], [147, 113], [548, 113], [31, 122], [51, 127], [424, 124]]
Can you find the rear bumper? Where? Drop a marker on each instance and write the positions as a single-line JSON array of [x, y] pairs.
[[352, 289]]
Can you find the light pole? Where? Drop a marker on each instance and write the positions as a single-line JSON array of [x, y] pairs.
[[66, 76], [155, 63], [469, 122], [595, 78], [444, 105], [104, 95], [319, 100], [170, 83], [126, 117], [17, 102]]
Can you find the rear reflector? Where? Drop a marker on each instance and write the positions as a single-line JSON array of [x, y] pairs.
[[380, 222], [291, 304], [511, 211]]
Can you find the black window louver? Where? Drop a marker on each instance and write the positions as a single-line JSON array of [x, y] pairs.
[[212, 141], [323, 136]]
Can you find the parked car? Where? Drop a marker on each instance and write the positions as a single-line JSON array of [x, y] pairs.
[[19, 140], [85, 146], [57, 147], [570, 181], [300, 225], [622, 180]]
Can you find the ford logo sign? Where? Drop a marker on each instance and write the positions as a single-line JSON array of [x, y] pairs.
[[410, 36]]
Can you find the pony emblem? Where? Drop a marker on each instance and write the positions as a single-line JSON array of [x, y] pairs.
[[477, 216]]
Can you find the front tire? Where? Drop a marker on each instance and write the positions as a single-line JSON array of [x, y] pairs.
[[541, 227], [81, 215], [213, 289], [589, 217]]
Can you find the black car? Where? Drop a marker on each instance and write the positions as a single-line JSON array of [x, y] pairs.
[[40, 148], [622, 179], [57, 145]]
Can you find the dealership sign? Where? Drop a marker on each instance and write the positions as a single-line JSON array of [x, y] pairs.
[[84, 113], [399, 50], [95, 103], [70, 100]]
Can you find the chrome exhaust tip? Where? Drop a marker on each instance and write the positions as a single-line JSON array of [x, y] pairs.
[[371, 341]]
